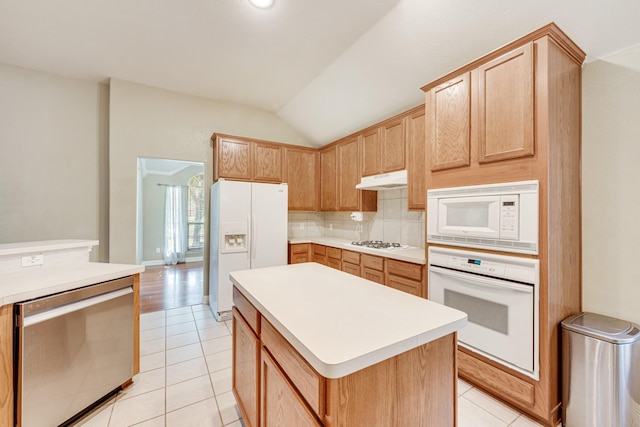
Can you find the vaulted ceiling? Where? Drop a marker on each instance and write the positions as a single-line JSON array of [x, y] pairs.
[[327, 68]]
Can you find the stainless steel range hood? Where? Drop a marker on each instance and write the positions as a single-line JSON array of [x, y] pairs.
[[385, 181]]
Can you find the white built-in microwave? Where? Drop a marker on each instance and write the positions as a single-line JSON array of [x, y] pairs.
[[498, 216]]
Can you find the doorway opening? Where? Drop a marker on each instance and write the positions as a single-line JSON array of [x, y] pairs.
[[170, 232]]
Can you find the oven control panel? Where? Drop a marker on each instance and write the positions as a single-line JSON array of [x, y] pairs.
[[499, 266], [477, 265]]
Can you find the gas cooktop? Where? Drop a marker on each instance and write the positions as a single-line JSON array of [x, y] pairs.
[[378, 244]]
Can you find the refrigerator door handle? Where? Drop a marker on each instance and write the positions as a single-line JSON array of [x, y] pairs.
[[253, 236]]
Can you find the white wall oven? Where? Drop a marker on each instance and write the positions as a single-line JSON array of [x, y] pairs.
[[500, 295], [500, 216]]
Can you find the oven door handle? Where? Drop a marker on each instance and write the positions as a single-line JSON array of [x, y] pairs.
[[475, 280]]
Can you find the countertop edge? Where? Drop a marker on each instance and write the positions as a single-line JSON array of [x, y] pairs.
[[44, 246], [86, 278]]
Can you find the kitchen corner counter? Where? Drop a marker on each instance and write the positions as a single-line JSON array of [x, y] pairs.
[[416, 256], [341, 323], [25, 285]]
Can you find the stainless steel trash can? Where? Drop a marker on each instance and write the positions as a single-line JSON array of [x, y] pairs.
[[600, 372]]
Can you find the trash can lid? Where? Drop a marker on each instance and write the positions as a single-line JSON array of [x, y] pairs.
[[605, 328]]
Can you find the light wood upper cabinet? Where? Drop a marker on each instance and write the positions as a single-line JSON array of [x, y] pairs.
[[302, 177], [416, 161], [450, 110], [371, 152], [267, 162], [244, 159], [348, 174], [232, 158], [383, 148], [505, 106], [328, 179], [393, 145], [350, 198]]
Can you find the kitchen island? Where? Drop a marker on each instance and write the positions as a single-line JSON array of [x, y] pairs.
[[314, 346]]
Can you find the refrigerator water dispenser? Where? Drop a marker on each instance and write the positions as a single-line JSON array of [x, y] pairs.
[[233, 236]]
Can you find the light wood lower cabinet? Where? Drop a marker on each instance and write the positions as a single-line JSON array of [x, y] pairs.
[[415, 388], [299, 253], [404, 276], [6, 365], [373, 268], [334, 258], [246, 356], [319, 254], [281, 405]]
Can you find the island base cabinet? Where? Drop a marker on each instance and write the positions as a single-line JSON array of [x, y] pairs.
[[246, 359], [416, 388], [281, 405]]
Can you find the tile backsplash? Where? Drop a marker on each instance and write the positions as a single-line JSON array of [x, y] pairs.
[[391, 223]]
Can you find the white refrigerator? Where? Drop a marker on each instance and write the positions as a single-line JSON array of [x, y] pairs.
[[248, 230]]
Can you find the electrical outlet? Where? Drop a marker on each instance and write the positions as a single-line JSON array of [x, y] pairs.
[[330, 226], [301, 225], [31, 260], [157, 250]]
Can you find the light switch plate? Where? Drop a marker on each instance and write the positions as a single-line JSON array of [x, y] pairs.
[[31, 260]]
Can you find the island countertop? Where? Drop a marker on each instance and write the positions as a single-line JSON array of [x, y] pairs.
[[342, 323]]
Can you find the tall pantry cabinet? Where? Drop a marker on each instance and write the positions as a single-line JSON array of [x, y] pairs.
[[514, 115]]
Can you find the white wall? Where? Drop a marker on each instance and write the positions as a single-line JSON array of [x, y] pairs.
[[611, 190], [53, 158]]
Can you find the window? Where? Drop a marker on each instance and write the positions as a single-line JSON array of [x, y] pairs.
[[195, 212]]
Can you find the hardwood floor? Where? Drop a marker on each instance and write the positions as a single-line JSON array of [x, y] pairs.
[[163, 286]]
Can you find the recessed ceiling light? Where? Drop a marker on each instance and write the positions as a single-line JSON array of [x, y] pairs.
[[262, 4]]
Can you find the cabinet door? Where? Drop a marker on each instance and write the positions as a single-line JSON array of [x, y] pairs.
[[233, 159], [416, 161], [371, 150], [246, 362], [281, 404], [450, 105], [302, 179], [354, 269], [328, 180], [348, 175], [334, 263], [393, 146], [505, 106], [267, 162]]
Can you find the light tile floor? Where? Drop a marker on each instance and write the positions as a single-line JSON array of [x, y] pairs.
[[185, 380]]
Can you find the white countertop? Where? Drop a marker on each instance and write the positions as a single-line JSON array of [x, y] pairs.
[[342, 323], [21, 286], [45, 245], [416, 256]]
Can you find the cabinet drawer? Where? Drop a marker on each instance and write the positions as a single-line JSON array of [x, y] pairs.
[[404, 269], [320, 250], [300, 248], [247, 310], [299, 258], [334, 253], [372, 262], [304, 378], [351, 257], [402, 284]]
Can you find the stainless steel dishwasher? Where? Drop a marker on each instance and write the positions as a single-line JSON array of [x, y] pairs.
[[73, 349]]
